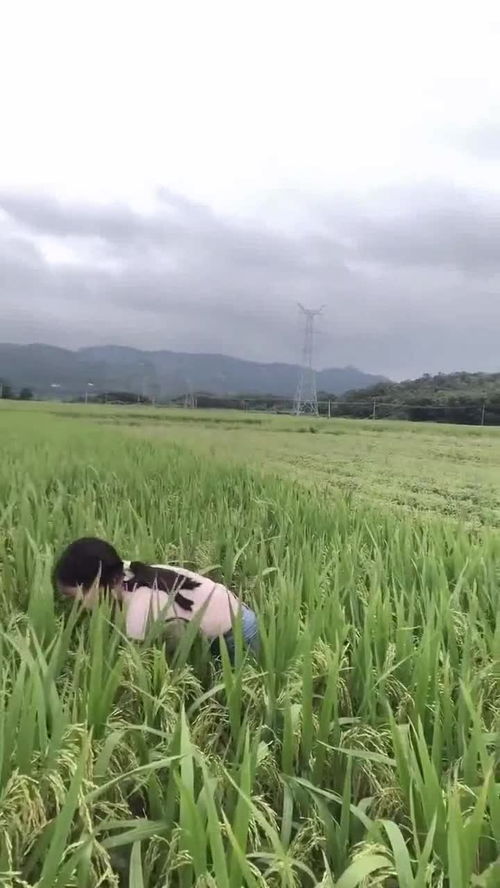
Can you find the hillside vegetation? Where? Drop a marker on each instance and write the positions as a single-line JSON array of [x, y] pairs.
[[469, 398]]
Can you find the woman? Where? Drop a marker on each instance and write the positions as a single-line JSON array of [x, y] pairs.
[[152, 592]]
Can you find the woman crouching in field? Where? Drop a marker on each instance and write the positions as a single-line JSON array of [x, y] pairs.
[[152, 592]]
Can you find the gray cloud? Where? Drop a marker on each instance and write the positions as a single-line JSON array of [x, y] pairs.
[[409, 276], [434, 225]]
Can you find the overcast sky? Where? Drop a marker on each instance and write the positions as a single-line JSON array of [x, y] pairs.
[[179, 174]]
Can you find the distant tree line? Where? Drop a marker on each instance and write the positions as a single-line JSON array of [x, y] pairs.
[[406, 402], [456, 398], [462, 398], [7, 392], [237, 402], [113, 398]]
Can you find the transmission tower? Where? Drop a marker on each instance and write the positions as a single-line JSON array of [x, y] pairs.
[[306, 398]]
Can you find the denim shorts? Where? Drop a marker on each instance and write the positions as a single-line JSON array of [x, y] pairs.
[[249, 631]]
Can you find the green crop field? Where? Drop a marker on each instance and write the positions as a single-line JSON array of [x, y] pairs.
[[361, 750]]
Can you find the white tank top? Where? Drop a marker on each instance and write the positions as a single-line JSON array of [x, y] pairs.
[[143, 605]]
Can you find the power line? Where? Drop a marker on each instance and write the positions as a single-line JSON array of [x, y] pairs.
[[323, 402], [306, 398]]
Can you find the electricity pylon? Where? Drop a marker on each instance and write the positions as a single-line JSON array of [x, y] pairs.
[[306, 398]]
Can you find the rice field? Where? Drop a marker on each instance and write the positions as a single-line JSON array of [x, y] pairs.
[[361, 750]]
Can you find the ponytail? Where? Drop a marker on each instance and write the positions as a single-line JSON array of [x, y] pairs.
[[163, 578]]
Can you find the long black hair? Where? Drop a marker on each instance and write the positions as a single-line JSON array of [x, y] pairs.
[[86, 560], [163, 578]]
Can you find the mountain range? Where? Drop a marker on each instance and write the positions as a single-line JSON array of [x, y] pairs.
[[49, 370]]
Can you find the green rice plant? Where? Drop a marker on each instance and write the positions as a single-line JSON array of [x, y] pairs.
[[361, 749]]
